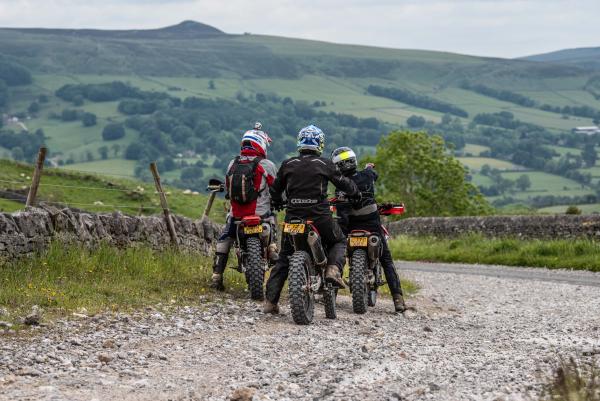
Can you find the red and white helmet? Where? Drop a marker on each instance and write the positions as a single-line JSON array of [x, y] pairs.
[[257, 140]]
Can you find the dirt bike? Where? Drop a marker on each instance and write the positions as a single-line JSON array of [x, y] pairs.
[[251, 244], [364, 250], [307, 272]]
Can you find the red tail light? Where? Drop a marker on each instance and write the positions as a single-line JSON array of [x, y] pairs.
[[250, 221]]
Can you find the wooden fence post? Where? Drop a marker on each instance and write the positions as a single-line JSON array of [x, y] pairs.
[[164, 205], [35, 180], [209, 204]]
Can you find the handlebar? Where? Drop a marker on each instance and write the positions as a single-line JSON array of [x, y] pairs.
[[215, 185]]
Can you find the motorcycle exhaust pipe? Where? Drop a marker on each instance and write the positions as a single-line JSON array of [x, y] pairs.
[[316, 248], [373, 248]]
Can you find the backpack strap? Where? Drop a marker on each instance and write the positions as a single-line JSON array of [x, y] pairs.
[[236, 161], [255, 162]]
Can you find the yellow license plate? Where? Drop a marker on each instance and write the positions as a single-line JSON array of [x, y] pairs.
[[293, 228], [253, 230], [359, 241]]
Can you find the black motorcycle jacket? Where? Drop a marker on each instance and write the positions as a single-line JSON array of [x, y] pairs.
[[304, 180], [364, 211]]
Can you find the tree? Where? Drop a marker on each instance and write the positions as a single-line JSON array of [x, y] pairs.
[[417, 169], [4, 94], [134, 151], [103, 150], [113, 131], [446, 119], [89, 156], [485, 169], [116, 148], [523, 182], [415, 121], [589, 155], [34, 107], [211, 85], [69, 115], [78, 100], [88, 119], [17, 153]]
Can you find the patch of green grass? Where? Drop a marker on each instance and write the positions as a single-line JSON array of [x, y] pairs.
[[108, 167], [560, 209], [580, 254], [10, 206], [475, 150], [82, 191], [66, 278], [475, 163], [563, 150], [553, 184]]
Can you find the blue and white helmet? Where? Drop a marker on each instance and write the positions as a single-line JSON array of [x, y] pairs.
[[311, 138]]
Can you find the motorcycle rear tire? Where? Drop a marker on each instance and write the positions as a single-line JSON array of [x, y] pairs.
[[358, 281], [329, 297], [255, 272], [302, 298]]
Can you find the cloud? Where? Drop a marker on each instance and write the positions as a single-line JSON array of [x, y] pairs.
[[486, 27]]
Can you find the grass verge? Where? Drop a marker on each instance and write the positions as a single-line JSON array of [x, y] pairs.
[[66, 278], [580, 254], [574, 381]]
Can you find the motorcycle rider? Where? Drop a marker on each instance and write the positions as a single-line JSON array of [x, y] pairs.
[[304, 179], [363, 215], [253, 154]]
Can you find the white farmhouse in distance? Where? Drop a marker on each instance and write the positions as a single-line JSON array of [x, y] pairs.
[[591, 130]]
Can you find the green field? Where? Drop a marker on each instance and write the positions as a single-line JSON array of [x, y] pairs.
[[110, 167], [474, 150], [564, 151], [475, 163], [585, 209]]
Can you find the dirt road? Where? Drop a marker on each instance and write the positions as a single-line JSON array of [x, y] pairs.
[[478, 333]]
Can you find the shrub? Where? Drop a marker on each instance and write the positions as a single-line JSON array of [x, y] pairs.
[[88, 119], [113, 132], [573, 210]]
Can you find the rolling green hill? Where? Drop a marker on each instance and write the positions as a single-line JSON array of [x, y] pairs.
[[195, 60], [587, 57]]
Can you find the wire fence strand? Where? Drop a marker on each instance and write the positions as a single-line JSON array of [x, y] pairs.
[[9, 194]]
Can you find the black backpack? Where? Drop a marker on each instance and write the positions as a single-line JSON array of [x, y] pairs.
[[240, 180]]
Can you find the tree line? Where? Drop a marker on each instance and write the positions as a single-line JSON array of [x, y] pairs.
[[417, 100], [524, 101]]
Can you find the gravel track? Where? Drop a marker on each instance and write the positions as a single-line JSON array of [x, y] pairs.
[[477, 333]]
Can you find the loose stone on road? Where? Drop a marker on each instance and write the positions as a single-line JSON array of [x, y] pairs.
[[472, 336]]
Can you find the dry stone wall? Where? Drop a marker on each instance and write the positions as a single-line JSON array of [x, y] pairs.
[[25, 232], [555, 226]]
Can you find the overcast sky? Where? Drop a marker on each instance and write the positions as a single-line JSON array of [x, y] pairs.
[[505, 28]]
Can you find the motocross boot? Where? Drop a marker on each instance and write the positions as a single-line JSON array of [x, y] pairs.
[[399, 304], [273, 253], [218, 269], [270, 308], [333, 275], [216, 282]]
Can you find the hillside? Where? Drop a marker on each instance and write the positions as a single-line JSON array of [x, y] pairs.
[[586, 57], [285, 83], [96, 193]]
